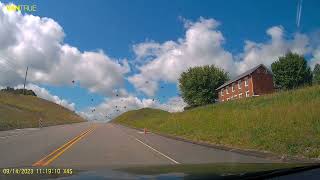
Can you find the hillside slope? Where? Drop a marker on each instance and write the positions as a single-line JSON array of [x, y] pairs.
[[19, 111], [283, 123]]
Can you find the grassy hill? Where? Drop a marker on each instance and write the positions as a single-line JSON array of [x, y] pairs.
[[19, 111], [283, 123]]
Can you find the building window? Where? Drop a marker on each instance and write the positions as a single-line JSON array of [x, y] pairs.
[[246, 82], [222, 100], [247, 93], [232, 87], [221, 92], [240, 95], [239, 84], [227, 90], [228, 99]]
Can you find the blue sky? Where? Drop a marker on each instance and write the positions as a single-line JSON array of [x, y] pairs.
[[115, 27]]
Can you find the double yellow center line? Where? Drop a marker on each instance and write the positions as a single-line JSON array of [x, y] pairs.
[[56, 153]]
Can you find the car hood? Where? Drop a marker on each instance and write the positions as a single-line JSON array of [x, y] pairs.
[[189, 171]]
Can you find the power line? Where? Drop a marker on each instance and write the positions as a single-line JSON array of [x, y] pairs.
[[6, 68], [8, 61], [4, 61], [8, 64]]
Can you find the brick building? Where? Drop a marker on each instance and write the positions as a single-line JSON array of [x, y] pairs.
[[254, 82]]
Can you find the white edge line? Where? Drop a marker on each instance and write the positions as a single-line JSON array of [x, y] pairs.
[[176, 162], [5, 137]]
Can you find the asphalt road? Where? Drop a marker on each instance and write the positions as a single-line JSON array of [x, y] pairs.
[[101, 145]]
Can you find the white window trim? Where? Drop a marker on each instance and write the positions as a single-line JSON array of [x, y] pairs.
[[239, 84], [246, 82], [222, 92], [247, 94], [232, 88], [227, 90], [240, 95]]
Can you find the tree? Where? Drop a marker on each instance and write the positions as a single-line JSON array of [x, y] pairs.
[[198, 84], [18, 91], [316, 74], [291, 71]]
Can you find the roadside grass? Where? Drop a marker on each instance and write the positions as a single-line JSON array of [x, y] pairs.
[[283, 123], [19, 111]]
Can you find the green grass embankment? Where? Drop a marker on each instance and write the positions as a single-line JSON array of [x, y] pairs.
[[282, 123], [19, 111]]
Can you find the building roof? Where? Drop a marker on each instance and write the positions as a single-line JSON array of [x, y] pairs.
[[250, 71]]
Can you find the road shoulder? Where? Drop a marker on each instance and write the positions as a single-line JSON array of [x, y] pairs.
[[247, 152]]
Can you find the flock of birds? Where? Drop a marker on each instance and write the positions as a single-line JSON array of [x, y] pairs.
[[118, 109]]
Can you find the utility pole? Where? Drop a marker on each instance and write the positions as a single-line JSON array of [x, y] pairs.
[[25, 79]]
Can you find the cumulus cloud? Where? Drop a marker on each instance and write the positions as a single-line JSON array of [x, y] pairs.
[[174, 104], [203, 45], [266, 53], [38, 42], [45, 94], [27, 40], [113, 107], [316, 57]]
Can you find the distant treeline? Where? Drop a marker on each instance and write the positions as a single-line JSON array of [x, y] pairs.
[[18, 91]]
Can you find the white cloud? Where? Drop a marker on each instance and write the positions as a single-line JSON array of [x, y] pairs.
[[202, 45], [266, 53], [45, 94], [27, 40], [113, 107], [316, 57], [174, 104]]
